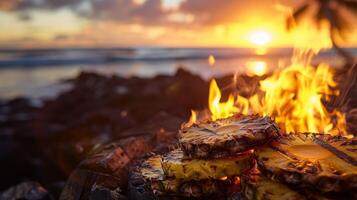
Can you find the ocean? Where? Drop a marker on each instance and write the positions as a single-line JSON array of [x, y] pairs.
[[38, 73]]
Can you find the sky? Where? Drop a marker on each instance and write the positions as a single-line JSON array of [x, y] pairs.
[[155, 23]]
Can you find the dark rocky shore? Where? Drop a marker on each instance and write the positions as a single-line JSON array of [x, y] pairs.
[[94, 132]]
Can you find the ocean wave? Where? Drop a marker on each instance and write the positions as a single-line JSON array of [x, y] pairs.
[[90, 56]]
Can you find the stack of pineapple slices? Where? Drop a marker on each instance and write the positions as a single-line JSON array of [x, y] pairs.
[[209, 161], [213, 156]]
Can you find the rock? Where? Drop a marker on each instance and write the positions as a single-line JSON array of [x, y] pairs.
[[105, 171], [138, 188], [26, 191], [110, 159], [102, 193], [88, 184], [56, 188], [160, 121], [187, 85], [78, 185], [136, 147]]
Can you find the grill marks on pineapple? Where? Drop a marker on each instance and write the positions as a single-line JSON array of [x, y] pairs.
[[309, 160], [335, 151], [226, 136], [257, 187]]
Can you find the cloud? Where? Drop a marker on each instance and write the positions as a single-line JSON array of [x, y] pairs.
[[212, 12], [61, 37], [149, 12], [127, 11], [23, 5], [181, 14], [24, 16]]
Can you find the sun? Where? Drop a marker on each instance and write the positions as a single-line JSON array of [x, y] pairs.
[[260, 38]]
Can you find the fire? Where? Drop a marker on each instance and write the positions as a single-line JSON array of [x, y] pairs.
[[220, 109], [293, 96], [193, 117], [223, 178]]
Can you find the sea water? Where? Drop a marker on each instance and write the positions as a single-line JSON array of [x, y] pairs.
[[39, 73]]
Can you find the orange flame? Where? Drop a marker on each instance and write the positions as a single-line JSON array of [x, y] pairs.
[[193, 118], [293, 96], [223, 178], [191, 121], [220, 109]]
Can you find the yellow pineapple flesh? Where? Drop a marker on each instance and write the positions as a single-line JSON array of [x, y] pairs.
[[176, 165]]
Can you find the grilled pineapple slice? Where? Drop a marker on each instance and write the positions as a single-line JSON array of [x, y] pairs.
[[226, 136], [257, 187], [175, 165], [322, 162], [148, 181]]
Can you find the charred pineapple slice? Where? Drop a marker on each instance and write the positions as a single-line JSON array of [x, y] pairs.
[[226, 136], [322, 162], [257, 187], [148, 181], [175, 165]]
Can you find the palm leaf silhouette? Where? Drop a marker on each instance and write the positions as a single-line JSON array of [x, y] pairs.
[[330, 11]]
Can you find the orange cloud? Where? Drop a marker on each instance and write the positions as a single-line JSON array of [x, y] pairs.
[[147, 22]]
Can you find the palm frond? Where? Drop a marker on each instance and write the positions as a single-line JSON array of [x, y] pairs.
[[290, 23], [349, 4], [338, 24], [341, 26], [296, 16], [319, 17]]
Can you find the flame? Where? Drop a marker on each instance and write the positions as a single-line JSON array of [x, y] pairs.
[[220, 109], [294, 96], [223, 178], [236, 180], [193, 118], [191, 121]]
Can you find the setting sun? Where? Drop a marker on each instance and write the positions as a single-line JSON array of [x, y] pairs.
[[260, 38]]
